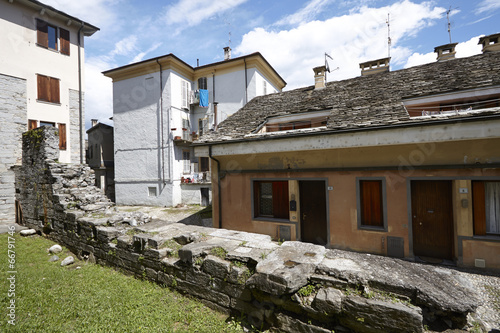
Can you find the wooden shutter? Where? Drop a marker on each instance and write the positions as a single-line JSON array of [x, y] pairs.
[[65, 44], [43, 88], [62, 136], [42, 33], [301, 124], [479, 208], [54, 90], [204, 164], [280, 200], [371, 203], [32, 124]]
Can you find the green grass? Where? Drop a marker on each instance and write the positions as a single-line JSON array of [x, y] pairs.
[[51, 298]]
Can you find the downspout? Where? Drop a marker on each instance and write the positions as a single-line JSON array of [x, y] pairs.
[[162, 129], [219, 194], [80, 103], [213, 99], [246, 82]]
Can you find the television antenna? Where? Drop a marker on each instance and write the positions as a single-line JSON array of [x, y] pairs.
[[326, 64], [448, 14], [389, 41]]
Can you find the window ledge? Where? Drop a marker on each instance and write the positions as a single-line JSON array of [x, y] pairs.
[[50, 103], [491, 238], [272, 220], [369, 228]]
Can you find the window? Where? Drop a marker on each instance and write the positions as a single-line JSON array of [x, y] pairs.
[[264, 88], [62, 136], [48, 89], [32, 124], [486, 207], [271, 199], [46, 123], [202, 83], [187, 161], [65, 44], [152, 192], [185, 94], [204, 164], [371, 203]]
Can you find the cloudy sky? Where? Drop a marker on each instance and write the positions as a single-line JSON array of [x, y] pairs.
[[292, 35]]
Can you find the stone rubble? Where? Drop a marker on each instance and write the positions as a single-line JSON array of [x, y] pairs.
[[292, 287]]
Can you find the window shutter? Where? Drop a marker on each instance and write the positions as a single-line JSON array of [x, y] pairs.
[[371, 203], [32, 124], [43, 88], [65, 44], [204, 166], [479, 208], [62, 136], [280, 200], [42, 33], [184, 88], [54, 90]]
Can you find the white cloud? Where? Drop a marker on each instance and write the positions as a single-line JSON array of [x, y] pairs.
[[98, 91], [125, 46], [141, 55], [350, 39], [189, 13], [487, 5], [465, 49], [305, 14]]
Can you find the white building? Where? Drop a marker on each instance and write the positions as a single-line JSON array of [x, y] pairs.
[[157, 115]]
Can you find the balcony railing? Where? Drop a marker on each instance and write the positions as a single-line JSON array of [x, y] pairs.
[[196, 178]]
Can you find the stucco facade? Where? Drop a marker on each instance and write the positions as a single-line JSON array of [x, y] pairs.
[[156, 120], [40, 44]]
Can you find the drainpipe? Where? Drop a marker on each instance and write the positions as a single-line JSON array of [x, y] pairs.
[[213, 99], [80, 104], [218, 185], [246, 82], [162, 129]]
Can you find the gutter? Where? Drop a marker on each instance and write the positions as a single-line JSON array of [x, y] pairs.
[[161, 129], [351, 130], [80, 103], [219, 194]]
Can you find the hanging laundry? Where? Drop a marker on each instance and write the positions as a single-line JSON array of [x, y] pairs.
[[204, 98]]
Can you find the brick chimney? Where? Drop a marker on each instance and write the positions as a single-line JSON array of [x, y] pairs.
[[319, 77], [445, 52], [227, 53], [375, 66], [490, 43]]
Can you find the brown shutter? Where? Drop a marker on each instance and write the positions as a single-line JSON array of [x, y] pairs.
[[54, 90], [479, 208], [65, 44], [301, 124], [280, 200], [42, 34], [43, 88], [371, 203], [204, 164], [32, 124], [62, 136]]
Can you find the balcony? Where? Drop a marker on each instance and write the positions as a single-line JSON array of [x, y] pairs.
[[196, 178], [182, 136]]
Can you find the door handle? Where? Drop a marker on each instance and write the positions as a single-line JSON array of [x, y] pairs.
[[303, 217]]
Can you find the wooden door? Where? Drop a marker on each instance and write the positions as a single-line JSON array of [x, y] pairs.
[[313, 212], [432, 218]]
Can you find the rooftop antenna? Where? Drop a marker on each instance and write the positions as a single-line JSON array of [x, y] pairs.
[[229, 24], [388, 36], [326, 64], [449, 24]]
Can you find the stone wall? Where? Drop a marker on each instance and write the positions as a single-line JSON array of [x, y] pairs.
[[13, 122], [292, 287], [74, 125]]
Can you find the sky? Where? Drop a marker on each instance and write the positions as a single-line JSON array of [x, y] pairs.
[[292, 35]]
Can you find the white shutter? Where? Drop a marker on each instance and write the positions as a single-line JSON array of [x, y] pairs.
[[185, 92]]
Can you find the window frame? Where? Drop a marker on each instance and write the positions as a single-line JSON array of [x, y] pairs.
[[478, 199], [359, 200], [255, 204], [202, 164], [51, 92]]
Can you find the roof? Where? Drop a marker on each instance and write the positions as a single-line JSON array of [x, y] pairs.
[[365, 102], [88, 29], [151, 65], [99, 126]]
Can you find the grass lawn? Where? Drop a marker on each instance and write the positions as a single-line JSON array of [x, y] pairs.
[[51, 298]]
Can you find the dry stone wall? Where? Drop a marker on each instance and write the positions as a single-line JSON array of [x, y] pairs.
[[291, 287]]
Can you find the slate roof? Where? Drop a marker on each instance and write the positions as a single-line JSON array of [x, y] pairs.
[[365, 101]]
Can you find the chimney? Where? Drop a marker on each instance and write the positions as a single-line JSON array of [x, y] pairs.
[[445, 52], [319, 77], [490, 43], [375, 66], [94, 122], [227, 53]]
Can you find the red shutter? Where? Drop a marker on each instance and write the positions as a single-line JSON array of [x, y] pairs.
[[65, 44], [54, 90], [62, 136], [43, 88], [479, 208], [371, 203], [280, 200], [42, 34], [32, 124]]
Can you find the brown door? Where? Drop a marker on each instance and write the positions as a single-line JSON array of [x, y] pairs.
[[432, 218], [313, 212]]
